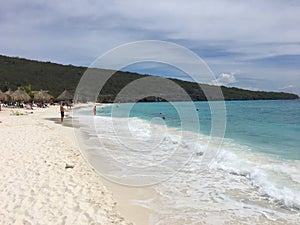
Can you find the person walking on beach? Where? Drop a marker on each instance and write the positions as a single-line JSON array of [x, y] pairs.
[[62, 112], [95, 110]]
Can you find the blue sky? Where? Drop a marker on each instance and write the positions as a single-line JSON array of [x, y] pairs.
[[248, 44]]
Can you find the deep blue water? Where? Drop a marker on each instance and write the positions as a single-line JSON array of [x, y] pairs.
[[269, 126]]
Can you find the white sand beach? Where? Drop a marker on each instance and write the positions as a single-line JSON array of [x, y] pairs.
[[36, 187]]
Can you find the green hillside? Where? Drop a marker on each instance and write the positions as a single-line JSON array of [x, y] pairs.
[[15, 72]]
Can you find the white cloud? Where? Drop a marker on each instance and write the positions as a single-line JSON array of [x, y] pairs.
[[235, 26], [251, 88], [228, 34], [290, 86], [224, 79]]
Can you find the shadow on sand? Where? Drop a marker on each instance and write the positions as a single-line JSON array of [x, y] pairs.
[[68, 122]]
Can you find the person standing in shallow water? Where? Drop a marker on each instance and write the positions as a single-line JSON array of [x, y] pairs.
[[62, 112], [95, 110]]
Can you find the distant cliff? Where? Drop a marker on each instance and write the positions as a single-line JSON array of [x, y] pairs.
[[15, 72]]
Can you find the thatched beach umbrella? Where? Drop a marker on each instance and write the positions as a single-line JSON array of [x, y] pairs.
[[9, 92], [3, 97], [20, 95], [65, 96], [42, 96]]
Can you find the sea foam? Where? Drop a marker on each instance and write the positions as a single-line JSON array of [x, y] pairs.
[[240, 184]]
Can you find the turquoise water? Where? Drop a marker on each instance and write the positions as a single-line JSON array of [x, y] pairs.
[[254, 177], [271, 127], [268, 126]]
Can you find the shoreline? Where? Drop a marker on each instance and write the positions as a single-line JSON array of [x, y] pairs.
[[125, 196], [35, 184]]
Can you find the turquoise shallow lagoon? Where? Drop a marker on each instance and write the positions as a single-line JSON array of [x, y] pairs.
[[267, 126]]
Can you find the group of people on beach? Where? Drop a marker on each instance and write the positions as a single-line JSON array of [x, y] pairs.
[[27, 105]]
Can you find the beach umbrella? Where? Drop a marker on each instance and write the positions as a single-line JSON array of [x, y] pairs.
[[8, 95], [65, 96], [42, 96], [9, 92], [20, 95], [3, 97]]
